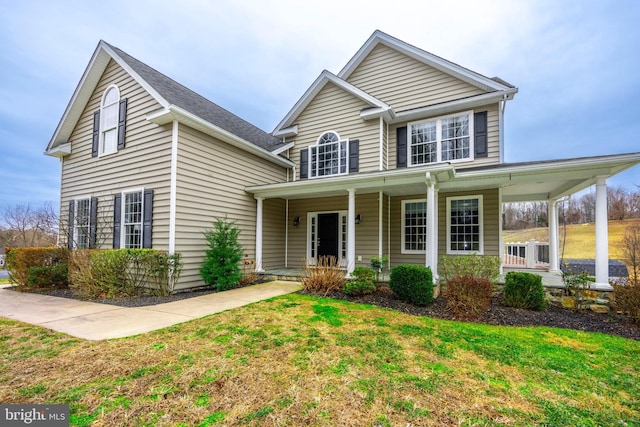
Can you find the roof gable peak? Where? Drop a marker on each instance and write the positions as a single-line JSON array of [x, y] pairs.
[[378, 37]]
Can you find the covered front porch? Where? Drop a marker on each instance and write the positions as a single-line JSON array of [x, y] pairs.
[[368, 212]]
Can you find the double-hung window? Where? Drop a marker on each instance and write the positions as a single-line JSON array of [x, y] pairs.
[[414, 226], [132, 219], [329, 156], [81, 223], [464, 225], [444, 139]]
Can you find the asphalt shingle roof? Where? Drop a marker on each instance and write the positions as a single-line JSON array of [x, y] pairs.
[[185, 98]]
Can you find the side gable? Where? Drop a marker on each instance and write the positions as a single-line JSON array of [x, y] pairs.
[[405, 83], [176, 103]]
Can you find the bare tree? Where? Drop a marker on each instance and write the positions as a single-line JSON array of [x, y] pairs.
[[617, 203], [26, 226]]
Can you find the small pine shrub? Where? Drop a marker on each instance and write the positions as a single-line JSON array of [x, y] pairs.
[[469, 297], [362, 282], [323, 277], [524, 290], [412, 283], [221, 267]]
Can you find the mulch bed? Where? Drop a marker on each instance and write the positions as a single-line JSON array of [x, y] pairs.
[[498, 314]]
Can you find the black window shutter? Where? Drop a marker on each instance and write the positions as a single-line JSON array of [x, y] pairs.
[[122, 123], [117, 220], [70, 226], [304, 163], [93, 222], [354, 155], [480, 134], [147, 218], [96, 134], [401, 147]]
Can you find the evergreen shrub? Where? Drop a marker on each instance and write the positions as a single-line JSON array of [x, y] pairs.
[[412, 283]]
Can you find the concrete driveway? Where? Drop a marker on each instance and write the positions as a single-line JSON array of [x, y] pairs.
[[93, 321]]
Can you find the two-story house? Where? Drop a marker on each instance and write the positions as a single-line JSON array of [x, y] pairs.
[[401, 154]]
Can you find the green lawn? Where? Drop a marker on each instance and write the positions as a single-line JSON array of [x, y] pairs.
[[580, 239], [301, 360]]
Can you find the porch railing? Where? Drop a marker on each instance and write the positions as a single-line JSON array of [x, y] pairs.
[[531, 254]]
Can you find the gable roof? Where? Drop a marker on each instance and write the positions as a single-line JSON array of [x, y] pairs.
[[455, 70], [323, 79], [166, 91], [495, 87]]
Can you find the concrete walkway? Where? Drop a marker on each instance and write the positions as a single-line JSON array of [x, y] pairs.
[[93, 321]]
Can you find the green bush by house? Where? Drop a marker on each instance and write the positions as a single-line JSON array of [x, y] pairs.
[[412, 283], [524, 290]]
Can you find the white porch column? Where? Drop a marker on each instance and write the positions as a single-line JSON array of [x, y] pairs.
[[351, 232], [602, 234], [259, 234], [431, 258], [553, 235]]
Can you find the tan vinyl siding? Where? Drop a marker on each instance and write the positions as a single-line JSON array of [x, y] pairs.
[[273, 233], [143, 163], [404, 82], [493, 140], [491, 225], [334, 109], [211, 177]]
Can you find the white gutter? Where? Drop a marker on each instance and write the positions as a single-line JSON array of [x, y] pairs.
[[447, 107], [283, 148], [502, 107]]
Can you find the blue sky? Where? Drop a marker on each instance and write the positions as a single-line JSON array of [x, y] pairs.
[[576, 64]]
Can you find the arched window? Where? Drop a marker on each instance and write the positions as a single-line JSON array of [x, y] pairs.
[[109, 115], [329, 155]]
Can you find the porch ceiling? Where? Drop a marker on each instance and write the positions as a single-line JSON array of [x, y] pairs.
[[529, 181]]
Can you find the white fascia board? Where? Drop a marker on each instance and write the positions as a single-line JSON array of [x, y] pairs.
[[176, 113], [374, 180], [441, 64], [451, 106], [88, 82], [616, 162], [373, 113], [286, 132], [283, 148], [59, 150], [324, 78]]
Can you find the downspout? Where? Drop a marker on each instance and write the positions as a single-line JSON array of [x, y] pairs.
[[381, 143], [501, 108], [173, 188]]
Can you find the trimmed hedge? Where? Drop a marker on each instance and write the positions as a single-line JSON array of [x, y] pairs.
[[55, 276], [524, 290], [412, 283], [20, 260]]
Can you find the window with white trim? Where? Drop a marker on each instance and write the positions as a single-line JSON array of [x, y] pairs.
[[329, 156], [443, 139], [464, 225], [132, 209], [109, 114], [81, 223], [414, 226]]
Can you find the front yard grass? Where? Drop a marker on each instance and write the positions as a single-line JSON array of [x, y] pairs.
[[302, 360]]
